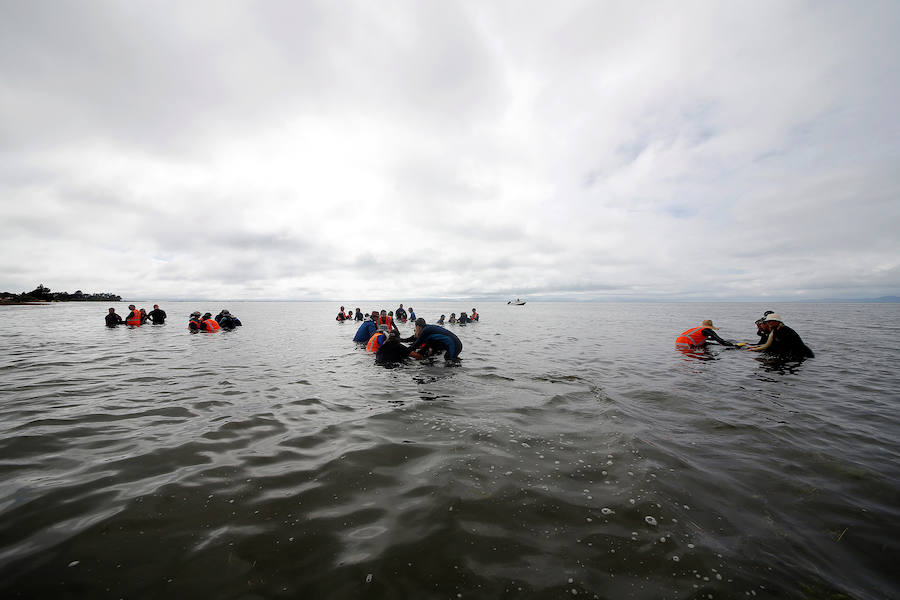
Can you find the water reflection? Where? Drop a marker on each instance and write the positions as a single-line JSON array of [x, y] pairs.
[[780, 364]]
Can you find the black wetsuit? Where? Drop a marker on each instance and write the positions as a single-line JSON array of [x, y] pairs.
[[157, 315], [112, 319], [400, 313], [229, 322], [788, 343], [359, 316], [391, 351], [709, 334], [438, 339]]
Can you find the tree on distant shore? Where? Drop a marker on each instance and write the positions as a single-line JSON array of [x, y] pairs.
[[44, 294]]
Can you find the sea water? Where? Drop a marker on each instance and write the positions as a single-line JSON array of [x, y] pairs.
[[572, 452]]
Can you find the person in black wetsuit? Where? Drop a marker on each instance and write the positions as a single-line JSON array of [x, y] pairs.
[[782, 341], [359, 315], [112, 319], [761, 329], [400, 313], [227, 320], [431, 339], [157, 315], [463, 319]]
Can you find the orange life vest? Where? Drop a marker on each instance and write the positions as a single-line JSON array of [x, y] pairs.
[[196, 323], [134, 318], [474, 316], [374, 343], [388, 320], [211, 325], [692, 337]]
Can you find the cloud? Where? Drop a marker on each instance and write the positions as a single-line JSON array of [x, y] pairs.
[[423, 150]]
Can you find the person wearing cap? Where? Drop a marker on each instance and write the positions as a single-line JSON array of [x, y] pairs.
[[195, 323], [112, 319], [698, 336], [134, 316], [366, 330], [782, 340], [226, 320], [157, 315], [204, 323], [760, 330], [432, 339]]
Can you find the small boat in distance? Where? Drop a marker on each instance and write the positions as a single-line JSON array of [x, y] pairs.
[[517, 302]]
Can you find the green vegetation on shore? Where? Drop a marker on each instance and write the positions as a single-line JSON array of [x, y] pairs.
[[44, 294]]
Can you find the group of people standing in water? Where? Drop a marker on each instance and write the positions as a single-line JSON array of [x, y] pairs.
[[136, 317], [380, 335], [197, 322], [775, 338]]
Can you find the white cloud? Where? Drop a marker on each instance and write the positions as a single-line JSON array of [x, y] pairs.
[[414, 150]]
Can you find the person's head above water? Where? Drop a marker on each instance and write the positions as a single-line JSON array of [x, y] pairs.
[[207, 315], [196, 313], [374, 315], [131, 306], [156, 306], [420, 325], [773, 317], [112, 310], [708, 324]]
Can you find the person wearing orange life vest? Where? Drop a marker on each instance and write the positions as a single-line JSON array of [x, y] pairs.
[[474, 316], [378, 338], [387, 320], [697, 336], [195, 323], [134, 317], [204, 323], [211, 324]]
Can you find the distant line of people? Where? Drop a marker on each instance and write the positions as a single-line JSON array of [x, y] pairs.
[[196, 321], [774, 338], [401, 315]]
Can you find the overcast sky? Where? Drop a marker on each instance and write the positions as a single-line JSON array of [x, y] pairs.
[[348, 150]]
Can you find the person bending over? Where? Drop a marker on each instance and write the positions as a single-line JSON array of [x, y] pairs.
[[782, 340], [366, 330], [698, 336], [435, 338]]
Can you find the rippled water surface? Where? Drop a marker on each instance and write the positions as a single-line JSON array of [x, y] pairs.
[[573, 452]]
